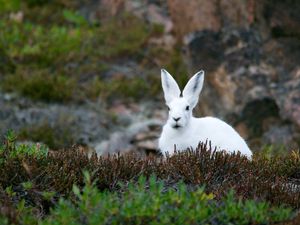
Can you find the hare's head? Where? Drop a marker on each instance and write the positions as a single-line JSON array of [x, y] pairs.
[[181, 104]]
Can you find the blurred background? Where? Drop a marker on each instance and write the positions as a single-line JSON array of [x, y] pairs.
[[88, 71]]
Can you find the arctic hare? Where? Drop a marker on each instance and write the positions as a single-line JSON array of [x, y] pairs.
[[183, 131]]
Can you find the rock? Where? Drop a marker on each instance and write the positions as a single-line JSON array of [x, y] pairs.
[[140, 137], [118, 142], [278, 18], [155, 12], [237, 13], [101, 10], [17, 17], [204, 50], [111, 8], [199, 15], [242, 129], [120, 127], [248, 81], [123, 69], [86, 124], [281, 135], [193, 15], [147, 145], [283, 17], [156, 15]]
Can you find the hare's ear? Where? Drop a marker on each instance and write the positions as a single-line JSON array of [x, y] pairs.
[[169, 85], [193, 88]]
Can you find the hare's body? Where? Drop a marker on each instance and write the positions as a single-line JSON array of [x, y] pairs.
[[183, 131], [221, 135]]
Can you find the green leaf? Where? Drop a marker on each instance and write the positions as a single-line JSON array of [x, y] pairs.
[[76, 191], [74, 17]]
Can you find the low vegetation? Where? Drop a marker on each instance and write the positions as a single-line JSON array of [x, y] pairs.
[[50, 52], [148, 203], [201, 185], [59, 56], [55, 137]]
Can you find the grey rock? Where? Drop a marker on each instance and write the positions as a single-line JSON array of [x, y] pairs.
[[129, 139], [86, 124], [278, 135], [248, 80]]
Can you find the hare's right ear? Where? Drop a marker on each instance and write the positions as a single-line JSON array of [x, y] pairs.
[[169, 85], [193, 88]]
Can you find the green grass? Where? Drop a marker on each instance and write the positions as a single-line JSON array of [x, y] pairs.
[[9, 6], [148, 203], [21, 150]]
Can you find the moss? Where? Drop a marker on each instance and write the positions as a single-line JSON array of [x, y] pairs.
[[124, 35], [40, 85], [31, 44], [275, 150], [121, 36], [132, 88], [54, 137], [6, 64], [32, 3], [9, 6], [50, 56], [158, 29]]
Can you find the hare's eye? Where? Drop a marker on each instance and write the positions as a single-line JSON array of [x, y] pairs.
[[187, 108], [168, 108]]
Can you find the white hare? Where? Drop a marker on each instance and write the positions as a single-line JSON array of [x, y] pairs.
[[183, 131]]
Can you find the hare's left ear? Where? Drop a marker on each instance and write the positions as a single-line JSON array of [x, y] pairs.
[[170, 86], [193, 88]]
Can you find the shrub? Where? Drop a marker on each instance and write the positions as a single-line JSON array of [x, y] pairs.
[[271, 180], [55, 137], [13, 150], [132, 88], [40, 86], [49, 62], [148, 203]]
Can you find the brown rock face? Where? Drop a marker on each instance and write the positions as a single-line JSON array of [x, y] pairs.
[[112, 7], [283, 17], [192, 15], [239, 13]]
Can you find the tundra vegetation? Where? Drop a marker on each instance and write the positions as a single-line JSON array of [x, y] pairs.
[[38, 186], [54, 53], [50, 53]]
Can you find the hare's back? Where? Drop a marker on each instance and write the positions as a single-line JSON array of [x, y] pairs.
[[213, 124], [221, 135]]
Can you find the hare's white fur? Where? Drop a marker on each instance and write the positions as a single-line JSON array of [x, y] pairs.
[[183, 131]]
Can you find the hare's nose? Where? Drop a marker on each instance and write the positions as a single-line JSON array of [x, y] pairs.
[[176, 119]]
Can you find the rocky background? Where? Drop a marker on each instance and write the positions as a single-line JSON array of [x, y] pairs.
[[249, 49]]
